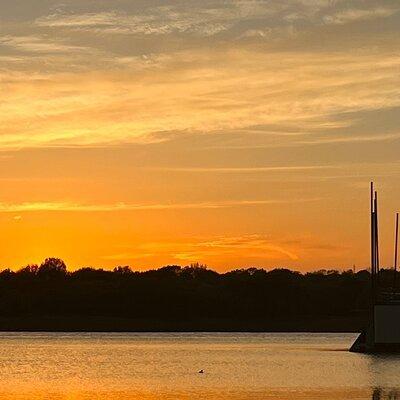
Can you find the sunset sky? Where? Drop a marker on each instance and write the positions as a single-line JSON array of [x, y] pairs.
[[228, 132]]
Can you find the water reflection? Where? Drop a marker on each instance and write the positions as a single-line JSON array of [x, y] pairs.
[[165, 367], [383, 375], [282, 394]]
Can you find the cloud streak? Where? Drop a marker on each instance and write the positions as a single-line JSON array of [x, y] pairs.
[[38, 44], [352, 15], [283, 168], [270, 18], [260, 248], [157, 21], [76, 207]]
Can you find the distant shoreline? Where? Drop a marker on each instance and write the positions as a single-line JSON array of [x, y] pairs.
[[334, 324], [183, 299]]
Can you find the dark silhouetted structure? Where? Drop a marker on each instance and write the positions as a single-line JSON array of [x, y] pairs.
[[383, 331]]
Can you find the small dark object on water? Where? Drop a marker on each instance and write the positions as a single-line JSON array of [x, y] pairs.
[[201, 371]]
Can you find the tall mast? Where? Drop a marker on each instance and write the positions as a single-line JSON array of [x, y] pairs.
[[396, 242], [374, 244], [377, 264], [373, 248]]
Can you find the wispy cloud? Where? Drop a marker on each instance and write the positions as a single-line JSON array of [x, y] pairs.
[[249, 243], [239, 249], [353, 139], [38, 44], [83, 90], [201, 249], [211, 92], [355, 14], [156, 21], [266, 18], [67, 206], [284, 168]]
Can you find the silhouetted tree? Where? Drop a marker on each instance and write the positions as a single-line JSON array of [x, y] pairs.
[[123, 270], [29, 270], [52, 268], [191, 293]]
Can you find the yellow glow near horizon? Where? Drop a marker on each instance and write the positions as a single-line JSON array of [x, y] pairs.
[[239, 133]]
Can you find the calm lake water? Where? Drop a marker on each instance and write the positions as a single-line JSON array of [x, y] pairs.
[[165, 366]]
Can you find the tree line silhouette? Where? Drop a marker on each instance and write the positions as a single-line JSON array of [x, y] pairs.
[[178, 294]]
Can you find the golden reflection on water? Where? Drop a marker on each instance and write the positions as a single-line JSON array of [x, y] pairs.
[[165, 367], [322, 394]]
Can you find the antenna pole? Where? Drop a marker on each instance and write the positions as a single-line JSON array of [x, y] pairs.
[[377, 264], [396, 252], [373, 247]]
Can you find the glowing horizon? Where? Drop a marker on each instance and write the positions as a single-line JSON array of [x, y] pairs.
[[233, 134]]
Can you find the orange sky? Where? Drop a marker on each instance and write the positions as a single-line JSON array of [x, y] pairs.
[[232, 133]]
